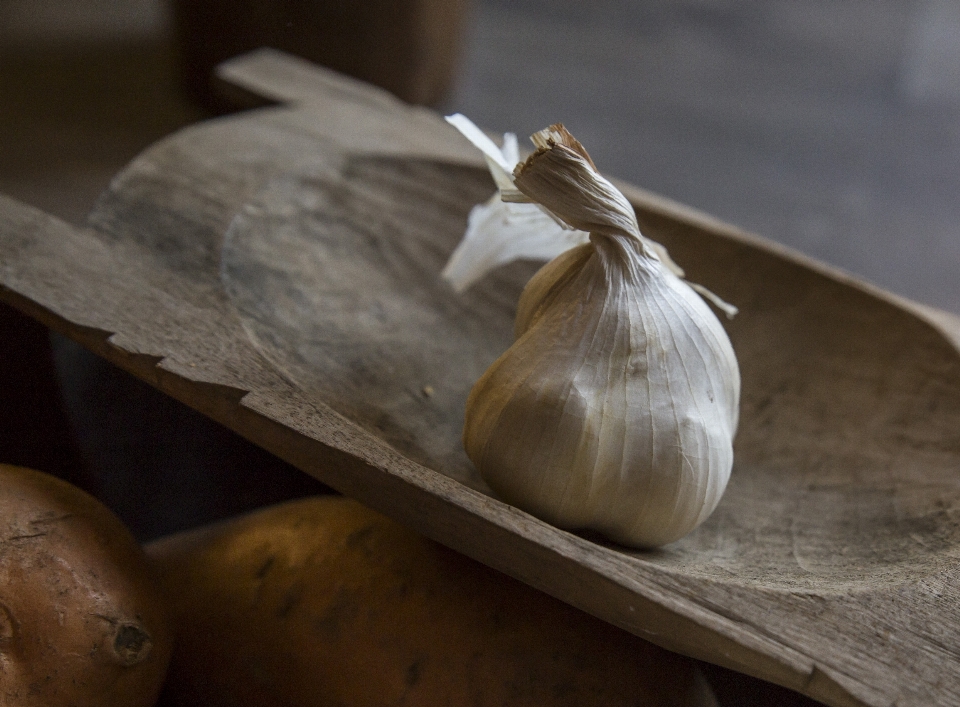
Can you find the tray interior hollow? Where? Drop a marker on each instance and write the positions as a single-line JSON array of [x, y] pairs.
[[846, 460]]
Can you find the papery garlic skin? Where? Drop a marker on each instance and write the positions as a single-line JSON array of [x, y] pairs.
[[499, 232], [616, 407]]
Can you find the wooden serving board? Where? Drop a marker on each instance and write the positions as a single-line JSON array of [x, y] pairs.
[[278, 270]]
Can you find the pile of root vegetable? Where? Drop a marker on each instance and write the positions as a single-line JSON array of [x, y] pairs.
[[312, 602]]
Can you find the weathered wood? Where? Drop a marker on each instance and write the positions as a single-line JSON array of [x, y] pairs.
[[278, 271]]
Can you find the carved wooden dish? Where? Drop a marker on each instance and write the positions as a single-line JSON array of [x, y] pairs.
[[279, 271]]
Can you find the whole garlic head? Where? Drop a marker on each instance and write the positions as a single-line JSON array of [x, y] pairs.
[[616, 407]]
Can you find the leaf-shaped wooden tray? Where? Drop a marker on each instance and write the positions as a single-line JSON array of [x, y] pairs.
[[278, 270]]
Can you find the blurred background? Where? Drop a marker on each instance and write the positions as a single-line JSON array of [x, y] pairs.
[[832, 127]]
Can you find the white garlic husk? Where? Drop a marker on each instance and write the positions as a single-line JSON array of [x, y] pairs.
[[616, 407], [499, 231]]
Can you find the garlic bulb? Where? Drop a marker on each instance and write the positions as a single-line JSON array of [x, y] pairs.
[[616, 407]]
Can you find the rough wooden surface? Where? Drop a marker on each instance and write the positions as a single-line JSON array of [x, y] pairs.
[[218, 264]]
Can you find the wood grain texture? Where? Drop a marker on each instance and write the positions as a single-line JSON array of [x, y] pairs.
[[277, 270]]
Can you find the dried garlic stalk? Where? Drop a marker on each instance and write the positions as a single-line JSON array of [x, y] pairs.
[[616, 407]]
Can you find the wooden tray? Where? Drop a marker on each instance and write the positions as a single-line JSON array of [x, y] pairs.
[[278, 271]]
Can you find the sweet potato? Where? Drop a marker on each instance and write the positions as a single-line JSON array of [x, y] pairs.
[[82, 623], [324, 602]]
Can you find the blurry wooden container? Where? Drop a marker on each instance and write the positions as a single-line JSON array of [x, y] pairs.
[[409, 47]]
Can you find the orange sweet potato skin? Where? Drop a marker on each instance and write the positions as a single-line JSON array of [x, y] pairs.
[[82, 623], [324, 602]]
